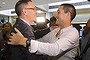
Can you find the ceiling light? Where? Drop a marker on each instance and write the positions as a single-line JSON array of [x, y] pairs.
[[3, 2]]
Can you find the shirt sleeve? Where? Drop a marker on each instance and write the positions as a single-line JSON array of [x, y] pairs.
[[61, 45], [44, 48]]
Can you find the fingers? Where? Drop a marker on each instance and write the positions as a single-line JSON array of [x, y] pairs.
[[12, 34], [10, 43], [17, 30], [10, 40]]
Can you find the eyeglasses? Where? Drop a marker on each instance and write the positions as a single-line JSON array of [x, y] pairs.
[[31, 9]]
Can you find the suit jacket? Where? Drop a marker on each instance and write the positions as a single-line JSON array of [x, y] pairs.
[[84, 41], [20, 52]]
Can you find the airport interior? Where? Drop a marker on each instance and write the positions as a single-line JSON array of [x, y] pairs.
[[45, 10]]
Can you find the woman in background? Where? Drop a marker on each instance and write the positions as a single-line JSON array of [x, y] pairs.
[[6, 29]]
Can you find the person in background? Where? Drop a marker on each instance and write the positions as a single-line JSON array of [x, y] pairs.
[[6, 29], [87, 28], [85, 42], [41, 29], [62, 39], [52, 23]]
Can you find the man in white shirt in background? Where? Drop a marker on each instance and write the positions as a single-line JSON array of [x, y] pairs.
[[58, 41]]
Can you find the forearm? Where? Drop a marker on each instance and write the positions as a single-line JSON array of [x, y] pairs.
[[52, 49], [44, 48]]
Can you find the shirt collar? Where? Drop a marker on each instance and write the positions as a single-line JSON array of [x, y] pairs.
[[64, 29], [68, 28], [25, 21]]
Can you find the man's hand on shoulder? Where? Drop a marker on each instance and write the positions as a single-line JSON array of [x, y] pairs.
[[17, 38]]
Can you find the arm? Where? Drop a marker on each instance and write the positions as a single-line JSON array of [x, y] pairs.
[[65, 43], [53, 49]]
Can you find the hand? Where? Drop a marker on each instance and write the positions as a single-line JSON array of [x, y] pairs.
[[17, 38]]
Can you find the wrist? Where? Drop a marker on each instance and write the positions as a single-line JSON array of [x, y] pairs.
[[23, 43], [28, 43]]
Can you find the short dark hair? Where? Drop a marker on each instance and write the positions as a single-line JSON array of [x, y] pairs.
[[69, 8], [19, 6], [53, 18]]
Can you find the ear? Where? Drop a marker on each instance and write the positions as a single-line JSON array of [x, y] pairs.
[[68, 14], [24, 11]]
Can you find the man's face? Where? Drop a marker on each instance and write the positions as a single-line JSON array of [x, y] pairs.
[[61, 16], [31, 11]]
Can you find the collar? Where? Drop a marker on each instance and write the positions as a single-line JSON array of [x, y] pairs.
[[25, 21], [67, 28], [64, 29]]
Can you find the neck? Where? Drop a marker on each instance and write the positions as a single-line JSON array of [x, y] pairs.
[[65, 25], [25, 19]]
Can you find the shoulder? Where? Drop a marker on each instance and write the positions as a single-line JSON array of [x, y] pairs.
[[71, 33], [73, 30]]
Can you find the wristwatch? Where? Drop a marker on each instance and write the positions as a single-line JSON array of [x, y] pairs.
[[28, 43]]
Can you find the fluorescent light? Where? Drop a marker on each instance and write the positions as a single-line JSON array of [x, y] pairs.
[[71, 1], [39, 11]]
